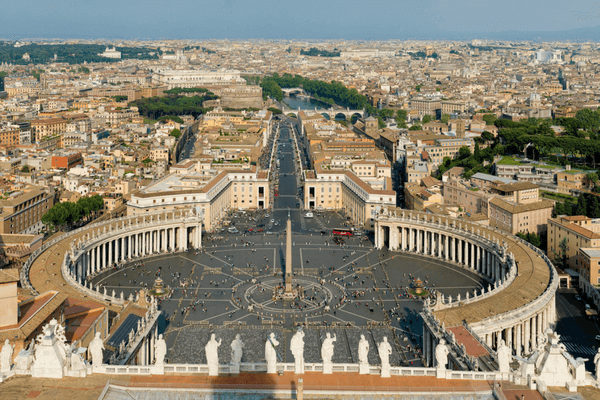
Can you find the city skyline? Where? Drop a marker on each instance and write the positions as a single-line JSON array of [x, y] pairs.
[[380, 20]]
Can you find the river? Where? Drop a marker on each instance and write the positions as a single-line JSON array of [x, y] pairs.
[[294, 103]]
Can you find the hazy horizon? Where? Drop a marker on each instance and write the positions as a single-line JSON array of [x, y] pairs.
[[306, 20]]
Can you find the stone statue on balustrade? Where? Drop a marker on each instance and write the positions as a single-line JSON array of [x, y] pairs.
[[271, 354], [597, 364], [25, 358], [212, 355], [363, 355], [95, 350], [237, 349], [327, 353], [297, 348], [504, 355], [385, 350], [441, 357], [6, 356], [160, 350]]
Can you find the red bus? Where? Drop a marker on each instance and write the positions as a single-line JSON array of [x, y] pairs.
[[342, 232]]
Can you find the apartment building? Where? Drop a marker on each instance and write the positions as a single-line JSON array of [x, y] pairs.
[[426, 107], [66, 160], [575, 232], [10, 135], [41, 128], [23, 207]]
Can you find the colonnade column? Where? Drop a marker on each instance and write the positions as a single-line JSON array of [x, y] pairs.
[[518, 340], [103, 249], [143, 243]]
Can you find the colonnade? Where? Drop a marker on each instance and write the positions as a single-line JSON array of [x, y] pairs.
[[131, 242], [448, 246], [450, 240]]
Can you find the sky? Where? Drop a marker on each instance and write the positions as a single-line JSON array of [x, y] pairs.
[[301, 19]]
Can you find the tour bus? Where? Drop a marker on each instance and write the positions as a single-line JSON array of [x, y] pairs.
[[342, 232]]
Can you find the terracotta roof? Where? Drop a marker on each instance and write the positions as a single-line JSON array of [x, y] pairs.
[[520, 208]]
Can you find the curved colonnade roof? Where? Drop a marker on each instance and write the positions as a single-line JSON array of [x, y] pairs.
[[533, 274], [45, 272]]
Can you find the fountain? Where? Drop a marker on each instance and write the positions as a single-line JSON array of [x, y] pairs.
[[159, 289]]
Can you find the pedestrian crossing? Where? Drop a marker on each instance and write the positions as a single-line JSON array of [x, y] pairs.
[[577, 349]]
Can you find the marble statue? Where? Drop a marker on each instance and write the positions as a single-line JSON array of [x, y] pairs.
[[363, 355], [212, 355], [504, 356], [385, 350], [597, 363], [6, 356], [297, 348], [95, 350], [237, 347], [160, 350], [327, 353], [441, 354], [271, 354], [25, 357], [327, 348]]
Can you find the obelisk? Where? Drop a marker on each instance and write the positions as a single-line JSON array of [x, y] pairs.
[[288, 256]]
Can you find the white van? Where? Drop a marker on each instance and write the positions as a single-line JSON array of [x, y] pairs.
[[308, 215]]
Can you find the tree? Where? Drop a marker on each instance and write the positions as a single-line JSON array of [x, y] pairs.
[[401, 114], [568, 208], [445, 118], [464, 152], [560, 256], [487, 136], [380, 123], [25, 168], [176, 133], [275, 111], [593, 207], [426, 118], [581, 205], [489, 119], [592, 178], [415, 127], [559, 208], [477, 152]]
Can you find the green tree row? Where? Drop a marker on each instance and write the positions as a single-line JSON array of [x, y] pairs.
[[67, 213], [333, 92], [473, 162], [314, 52], [156, 107], [69, 53], [580, 138]]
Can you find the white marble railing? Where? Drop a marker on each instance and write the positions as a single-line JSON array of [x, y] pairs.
[[288, 367]]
